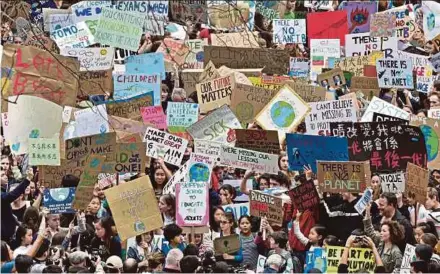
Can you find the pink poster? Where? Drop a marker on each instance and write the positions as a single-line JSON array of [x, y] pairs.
[[191, 201], [154, 115]]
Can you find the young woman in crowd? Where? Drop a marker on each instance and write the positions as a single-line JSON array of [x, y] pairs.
[[227, 228], [24, 238], [105, 241], [423, 228], [142, 249], [262, 182], [227, 194], [159, 180], [216, 215], [417, 211], [167, 206], [316, 236], [248, 243]]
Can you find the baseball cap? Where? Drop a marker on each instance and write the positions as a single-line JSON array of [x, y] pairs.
[[114, 262]]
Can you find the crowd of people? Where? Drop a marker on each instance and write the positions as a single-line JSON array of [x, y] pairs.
[[34, 240]]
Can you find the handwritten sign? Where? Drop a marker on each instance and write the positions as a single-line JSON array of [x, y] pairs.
[[95, 82], [316, 259], [434, 113], [130, 158], [237, 210], [417, 182], [393, 182], [299, 67], [194, 58], [199, 168], [178, 177], [259, 140], [358, 259], [129, 85], [308, 93], [51, 176], [409, 256], [215, 93], [161, 144], [360, 44], [154, 115], [210, 148], [359, 14], [182, 11], [130, 108], [380, 106], [264, 205], [404, 23], [431, 132], [333, 78], [148, 63], [238, 39], [90, 121], [191, 201], [289, 31], [181, 115], [366, 85], [395, 73], [59, 200], [134, 208], [339, 177], [73, 36], [44, 151], [91, 59], [382, 24], [305, 196], [249, 160], [321, 51]]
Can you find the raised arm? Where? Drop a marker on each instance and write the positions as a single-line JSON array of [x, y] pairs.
[[19, 190], [247, 175]]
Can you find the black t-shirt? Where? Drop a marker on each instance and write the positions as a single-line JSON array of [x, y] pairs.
[[107, 251]]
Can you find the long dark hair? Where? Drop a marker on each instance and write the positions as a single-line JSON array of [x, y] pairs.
[[106, 223], [212, 223], [5, 252], [21, 232], [170, 200]]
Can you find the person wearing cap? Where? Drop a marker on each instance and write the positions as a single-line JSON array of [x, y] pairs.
[[113, 264], [172, 261]]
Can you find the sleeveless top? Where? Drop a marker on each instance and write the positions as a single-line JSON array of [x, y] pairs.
[[250, 251]]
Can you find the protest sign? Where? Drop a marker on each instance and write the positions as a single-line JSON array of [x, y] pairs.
[[90, 121], [148, 63], [327, 25], [239, 196], [309, 93], [30, 117], [360, 44], [51, 176], [178, 177], [273, 61], [161, 144], [184, 10], [247, 101], [134, 208], [130, 85], [155, 116], [91, 59], [264, 205], [249, 160], [44, 151], [431, 18], [119, 29], [57, 21], [365, 199], [39, 39], [130, 158], [283, 113], [305, 196], [257, 81], [316, 259], [199, 168], [304, 150], [395, 73], [216, 126], [174, 51], [393, 182], [36, 72], [89, 12], [382, 24], [409, 256], [261, 263], [321, 51], [318, 4], [337, 177], [259, 140], [59, 200], [318, 120], [417, 179], [388, 145], [181, 115], [130, 108], [215, 93], [431, 132], [358, 259], [237, 39], [126, 127], [289, 31], [354, 64], [366, 85], [190, 77], [404, 23], [73, 36], [237, 210], [380, 106], [107, 179], [422, 68], [434, 113], [378, 117], [209, 148], [95, 82], [221, 14], [332, 78], [191, 201], [299, 67], [359, 14], [194, 58], [227, 244]]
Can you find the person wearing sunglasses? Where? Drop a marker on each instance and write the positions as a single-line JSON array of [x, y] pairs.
[[227, 227]]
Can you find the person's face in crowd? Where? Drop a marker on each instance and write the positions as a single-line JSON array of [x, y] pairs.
[[421, 114], [198, 239], [430, 203], [434, 101], [417, 34], [313, 236], [418, 233], [384, 208], [290, 5], [429, 47], [32, 188], [3, 177], [225, 225], [225, 196], [164, 92], [147, 237], [272, 244], [27, 191], [375, 182], [436, 176], [274, 183], [218, 215], [53, 221], [411, 200], [5, 164], [27, 239], [218, 173], [407, 109], [245, 226], [159, 176], [99, 230], [230, 170], [284, 163], [177, 239], [264, 184], [385, 233], [94, 205], [163, 207]]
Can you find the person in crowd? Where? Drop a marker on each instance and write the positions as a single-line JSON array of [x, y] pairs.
[[105, 241], [434, 99], [24, 237], [248, 242], [130, 266], [189, 264], [227, 228], [172, 261], [316, 236], [278, 241], [156, 261], [274, 264], [262, 182], [159, 180], [172, 234], [167, 206], [433, 205], [350, 243], [417, 211], [143, 247], [227, 194], [216, 215]]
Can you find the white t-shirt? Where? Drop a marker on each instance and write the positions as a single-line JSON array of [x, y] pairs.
[[21, 250]]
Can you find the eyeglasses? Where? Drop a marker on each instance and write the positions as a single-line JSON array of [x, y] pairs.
[[224, 222]]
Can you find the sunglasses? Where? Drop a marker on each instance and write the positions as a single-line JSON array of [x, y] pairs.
[[224, 222]]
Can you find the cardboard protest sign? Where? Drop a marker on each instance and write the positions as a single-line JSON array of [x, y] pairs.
[[388, 145], [304, 150], [318, 120], [422, 68], [190, 77], [359, 14], [360, 44], [299, 67], [332, 78], [174, 51], [44, 151], [148, 63], [247, 101], [283, 113], [183, 10], [215, 93], [130, 108], [321, 51], [404, 24], [181, 115], [107, 179], [91, 59], [119, 29], [216, 126], [89, 12], [178, 177], [358, 258], [194, 57], [431, 18], [237, 39], [129, 85], [264, 205], [51, 176], [30, 117], [379, 117], [39, 39], [417, 182], [328, 25], [259, 140], [365, 199], [90, 121], [289, 31], [73, 36], [95, 82], [354, 64], [37, 72], [434, 113], [249, 160], [257, 81], [130, 158], [309, 93], [337, 177], [316, 259], [191, 201], [134, 208], [125, 127], [393, 182], [369, 86], [59, 200], [54, 19], [304, 196], [380, 106], [273, 61], [209, 148], [261, 263], [409, 256], [227, 244], [225, 16], [237, 210], [161, 144], [395, 73], [154, 115], [382, 24], [431, 132], [199, 168]]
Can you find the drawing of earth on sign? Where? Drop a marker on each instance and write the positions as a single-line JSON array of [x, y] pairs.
[[282, 114], [60, 194], [245, 111], [431, 141], [199, 172]]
